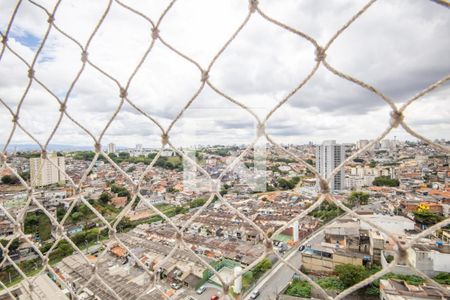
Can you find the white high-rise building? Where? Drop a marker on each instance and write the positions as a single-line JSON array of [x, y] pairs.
[[111, 148], [329, 155], [48, 173]]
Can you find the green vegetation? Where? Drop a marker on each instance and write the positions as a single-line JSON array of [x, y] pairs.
[[81, 239], [105, 197], [327, 212], [10, 276], [171, 162], [442, 278], [284, 160], [299, 288], [216, 265], [120, 191], [358, 198], [197, 202], [14, 245], [28, 154], [410, 279], [254, 274], [169, 210], [9, 179], [38, 222], [288, 184], [221, 152], [385, 181], [426, 217], [332, 283], [350, 274]]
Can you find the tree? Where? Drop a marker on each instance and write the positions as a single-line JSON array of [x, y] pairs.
[[76, 216], [299, 288], [120, 190], [124, 155], [426, 217], [9, 179], [197, 202], [385, 181], [358, 198], [105, 198], [351, 274], [60, 212]]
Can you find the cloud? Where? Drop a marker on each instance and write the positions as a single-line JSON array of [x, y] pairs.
[[398, 47]]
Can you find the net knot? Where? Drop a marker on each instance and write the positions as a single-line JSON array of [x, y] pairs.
[[4, 39], [155, 33], [178, 236], [15, 118], [225, 288], [396, 118], [269, 246], [324, 186], [320, 54], [30, 73], [44, 154], [51, 19], [97, 147], [205, 76], [123, 93], [60, 230], [402, 255], [252, 5], [112, 232], [260, 130], [164, 139], [135, 188], [84, 56], [62, 107], [17, 226], [5, 251]]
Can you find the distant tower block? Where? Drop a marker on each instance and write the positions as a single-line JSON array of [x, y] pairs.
[[238, 281], [295, 231]]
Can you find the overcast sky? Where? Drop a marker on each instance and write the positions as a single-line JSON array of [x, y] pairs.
[[398, 46]]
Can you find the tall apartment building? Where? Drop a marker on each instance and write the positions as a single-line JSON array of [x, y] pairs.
[[329, 155], [49, 173], [111, 148]]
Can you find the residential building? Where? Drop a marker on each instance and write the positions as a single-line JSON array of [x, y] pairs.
[[111, 148], [392, 289], [47, 171], [329, 155]]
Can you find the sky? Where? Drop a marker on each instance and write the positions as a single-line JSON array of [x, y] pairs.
[[398, 46]]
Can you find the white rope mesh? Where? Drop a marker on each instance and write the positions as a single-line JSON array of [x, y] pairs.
[[397, 119]]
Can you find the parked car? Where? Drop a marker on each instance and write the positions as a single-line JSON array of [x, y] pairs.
[[201, 289], [254, 295], [215, 297]]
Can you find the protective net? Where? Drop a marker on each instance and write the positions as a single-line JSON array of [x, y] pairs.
[[92, 271]]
